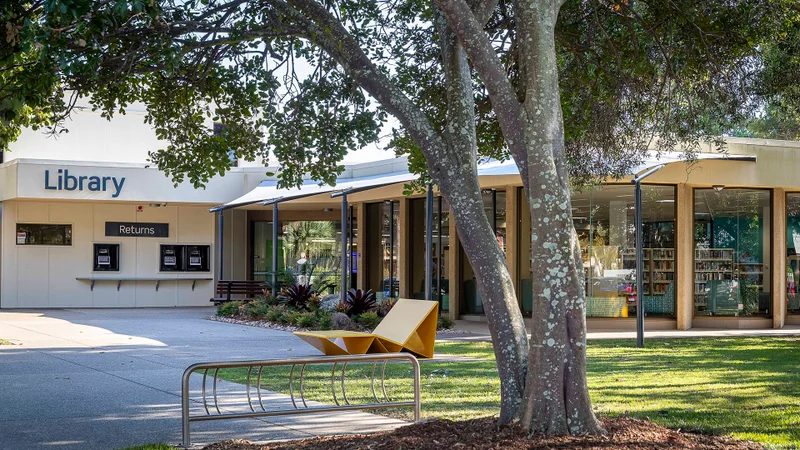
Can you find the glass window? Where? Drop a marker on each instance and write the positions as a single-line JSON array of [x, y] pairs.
[[43, 234], [732, 250], [311, 248], [604, 218], [441, 251], [792, 252], [494, 204], [390, 236]]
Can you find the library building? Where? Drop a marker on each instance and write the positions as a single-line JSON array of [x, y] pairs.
[[86, 224]]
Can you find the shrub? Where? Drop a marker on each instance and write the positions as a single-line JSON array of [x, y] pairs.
[[229, 309], [307, 319], [274, 313], [386, 306], [297, 296], [288, 316], [369, 320], [268, 300], [314, 303], [359, 301], [255, 310], [325, 320], [445, 323]]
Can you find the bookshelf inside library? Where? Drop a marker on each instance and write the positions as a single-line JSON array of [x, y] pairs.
[[659, 268]]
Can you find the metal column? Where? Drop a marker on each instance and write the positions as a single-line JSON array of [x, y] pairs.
[[639, 267], [344, 247], [221, 238], [275, 249], [637, 180], [391, 247], [429, 244], [494, 212]]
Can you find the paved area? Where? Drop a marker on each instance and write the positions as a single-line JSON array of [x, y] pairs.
[[106, 378], [478, 331]]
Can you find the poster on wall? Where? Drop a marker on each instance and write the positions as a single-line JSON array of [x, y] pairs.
[[22, 237]]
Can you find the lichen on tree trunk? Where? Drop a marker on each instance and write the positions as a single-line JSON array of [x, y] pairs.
[[556, 393]]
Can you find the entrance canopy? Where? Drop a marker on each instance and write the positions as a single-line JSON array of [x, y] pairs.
[[268, 192]]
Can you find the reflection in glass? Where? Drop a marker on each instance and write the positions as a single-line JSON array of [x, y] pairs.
[[309, 247], [732, 250], [792, 252], [604, 218]]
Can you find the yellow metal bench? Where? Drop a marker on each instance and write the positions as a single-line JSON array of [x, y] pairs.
[[410, 326]]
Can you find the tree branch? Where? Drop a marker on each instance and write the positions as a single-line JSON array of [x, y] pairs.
[[485, 61], [327, 32]]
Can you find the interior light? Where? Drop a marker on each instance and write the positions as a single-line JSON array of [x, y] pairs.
[[718, 187]]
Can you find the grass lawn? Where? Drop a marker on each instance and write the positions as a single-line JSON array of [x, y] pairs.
[[745, 387]]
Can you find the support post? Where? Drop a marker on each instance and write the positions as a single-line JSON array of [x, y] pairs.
[[343, 264], [392, 237], [639, 267], [429, 244], [778, 268], [221, 238], [637, 182], [684, 256], [494, 212], [275, 225]]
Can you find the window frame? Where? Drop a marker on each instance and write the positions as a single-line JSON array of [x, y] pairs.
[[71, 234]]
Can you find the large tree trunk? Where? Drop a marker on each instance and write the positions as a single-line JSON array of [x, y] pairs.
[[451, 159], [556, 394], [462, 192], [506, 326]]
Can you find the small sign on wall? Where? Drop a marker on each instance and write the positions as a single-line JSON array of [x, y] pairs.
[[22, 237], [137, 229]]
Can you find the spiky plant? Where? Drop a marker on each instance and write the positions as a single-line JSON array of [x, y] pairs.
[[359, 301], [297, 296]]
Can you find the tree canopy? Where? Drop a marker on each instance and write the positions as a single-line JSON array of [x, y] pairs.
[[633, 74], [572, 90]]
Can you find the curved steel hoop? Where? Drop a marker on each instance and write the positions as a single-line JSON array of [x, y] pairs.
[[258, 387], [344, 391], [302, 393], [372, 382], [216, 402], [333, 385], [205, 402], [383, 380], [249, 400], [291, 386]]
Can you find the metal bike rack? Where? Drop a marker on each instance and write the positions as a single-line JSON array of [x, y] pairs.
[[299, 404]]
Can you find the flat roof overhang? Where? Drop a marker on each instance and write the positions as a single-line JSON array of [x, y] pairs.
[[491, 173]]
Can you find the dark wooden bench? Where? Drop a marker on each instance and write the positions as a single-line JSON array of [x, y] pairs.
[[244, 290]]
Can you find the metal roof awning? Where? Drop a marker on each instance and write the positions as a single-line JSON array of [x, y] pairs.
[[268, 192], [654, 159]]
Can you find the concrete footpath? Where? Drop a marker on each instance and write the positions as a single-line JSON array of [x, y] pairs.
[[106, 378]]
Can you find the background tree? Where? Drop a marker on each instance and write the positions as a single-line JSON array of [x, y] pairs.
[[570, 90]]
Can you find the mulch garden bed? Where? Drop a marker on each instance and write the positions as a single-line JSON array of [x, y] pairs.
[[622, 433]]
